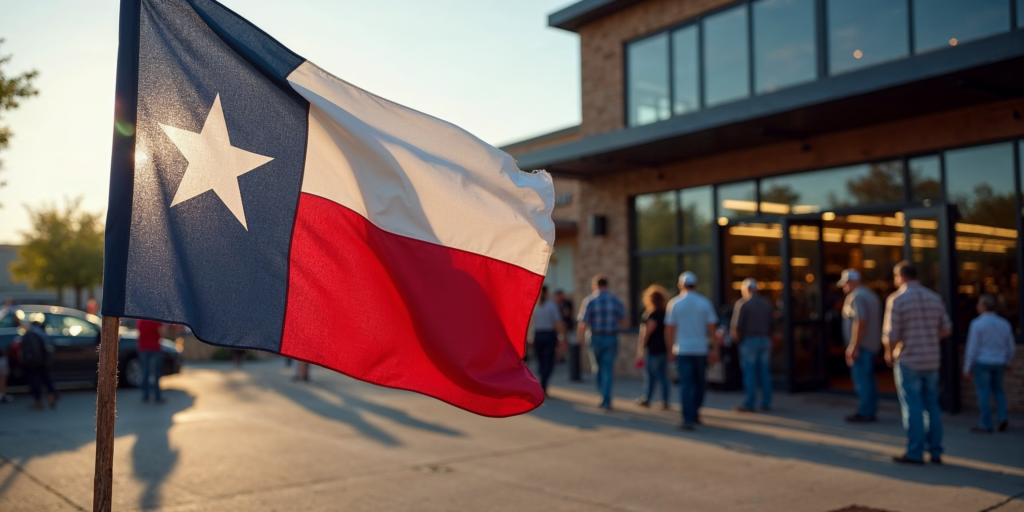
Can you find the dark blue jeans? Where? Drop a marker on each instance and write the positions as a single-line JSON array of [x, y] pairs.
[[38, 378], [544, 345], [152, 368], [919, 394], [864, 382], [988, 383], [692, 382], [654, 374], [755, 359], [605, 347]]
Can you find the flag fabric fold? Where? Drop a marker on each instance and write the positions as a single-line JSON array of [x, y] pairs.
[[274, 206]]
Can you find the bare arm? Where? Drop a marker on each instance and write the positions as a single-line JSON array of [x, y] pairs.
[[581, 331], [670, 336], [645, 334]]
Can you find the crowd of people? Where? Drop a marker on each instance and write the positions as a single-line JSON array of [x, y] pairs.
[[906, 330]]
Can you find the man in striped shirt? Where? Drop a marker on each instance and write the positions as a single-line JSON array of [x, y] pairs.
[[915, 321]]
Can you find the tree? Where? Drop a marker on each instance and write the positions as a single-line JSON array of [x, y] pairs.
[[64, 249], [11, 90]]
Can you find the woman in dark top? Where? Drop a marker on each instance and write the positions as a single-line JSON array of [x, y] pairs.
[[652, 345]]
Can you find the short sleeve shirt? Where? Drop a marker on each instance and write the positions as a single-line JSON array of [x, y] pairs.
[[149, 335], [863, 304], [690, 314], [602, 312], [546, 316]]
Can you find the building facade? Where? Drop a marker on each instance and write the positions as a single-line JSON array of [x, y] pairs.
[[786, 140]]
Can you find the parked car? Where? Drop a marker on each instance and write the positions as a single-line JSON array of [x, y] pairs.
[[75, 336]]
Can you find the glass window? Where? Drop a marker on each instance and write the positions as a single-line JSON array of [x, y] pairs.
[[726, 56], [698, 215], [63, 325], [980, 182], [661, 270], [7, 321], [656, 220], [813, 192], [753, 250], [700, 263], [945, 23], [865, 32], [737, 200], [685, 71], [648, 80], [1020, 13], [925, 178], [784, 43]]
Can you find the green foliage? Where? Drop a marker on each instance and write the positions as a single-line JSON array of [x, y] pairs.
[[11, 90], [64, 249]]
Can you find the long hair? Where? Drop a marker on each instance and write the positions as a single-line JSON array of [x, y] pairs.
[[655, 297]]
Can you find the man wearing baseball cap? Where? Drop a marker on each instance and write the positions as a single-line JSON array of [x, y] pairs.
[[690, 322], [862, 330]]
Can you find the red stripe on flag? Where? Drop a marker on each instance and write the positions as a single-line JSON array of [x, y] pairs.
[[408, 314]]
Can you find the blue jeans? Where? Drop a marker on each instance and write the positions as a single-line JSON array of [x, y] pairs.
[[692, 382], [863, 374], [654, 374], [988, 382], [919, 393], [755, 359], [606, 348], [152, 368], [545, 344], [38, 378]]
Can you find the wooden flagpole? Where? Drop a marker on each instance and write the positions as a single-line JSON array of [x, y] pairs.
[[115, 253], [106, 413]]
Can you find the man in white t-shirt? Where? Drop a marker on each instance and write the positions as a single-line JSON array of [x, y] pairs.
[[690, 322]]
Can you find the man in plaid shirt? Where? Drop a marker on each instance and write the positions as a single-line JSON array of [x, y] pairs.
[[602, 313], [915, 321]]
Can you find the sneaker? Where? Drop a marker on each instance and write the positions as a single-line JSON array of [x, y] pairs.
[[903, 459], [979, 430], [665, 406], [160, 401], [686, 426], [643, 402], [936, 459], [1003, 425], [743, 408], [857, 418], [698, 421]]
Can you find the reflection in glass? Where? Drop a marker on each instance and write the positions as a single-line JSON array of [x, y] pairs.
[[647, 76], [808, 353], [753, 250], [806, 283], [1020, 13], [924, 251], [925, 178], [784, 43], [656, 220], [700, 263], [726, 56], [946, 23], [818, 191], [737, 200], [685, 71], [661, 270], [980, 181], [698, 215], [865, 32]]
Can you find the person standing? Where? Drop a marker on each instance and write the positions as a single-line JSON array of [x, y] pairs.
[[690, 323], [651, 348], [602, 314], [752, 321], [548, 336], [915, 321], [862, 330], [151, 358], [565, 304], [989, 352], [36, 358]]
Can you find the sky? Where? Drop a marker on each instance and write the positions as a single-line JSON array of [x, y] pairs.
[[492, 67]]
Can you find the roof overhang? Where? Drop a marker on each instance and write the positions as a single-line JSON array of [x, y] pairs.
[[978, 72], [578, 14]]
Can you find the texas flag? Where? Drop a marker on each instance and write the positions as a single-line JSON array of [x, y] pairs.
[[271, 205]]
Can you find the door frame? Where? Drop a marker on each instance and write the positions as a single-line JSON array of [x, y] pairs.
[[793, 384]]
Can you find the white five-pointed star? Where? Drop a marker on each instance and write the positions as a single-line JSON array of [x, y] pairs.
[[213, 163]]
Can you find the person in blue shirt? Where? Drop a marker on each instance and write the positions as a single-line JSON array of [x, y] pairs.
[[989, 352], [603, 315], [690, 323]]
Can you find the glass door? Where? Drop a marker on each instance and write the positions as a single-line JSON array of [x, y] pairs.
[[806, 350]]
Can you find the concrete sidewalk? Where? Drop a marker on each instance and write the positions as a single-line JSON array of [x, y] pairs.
[[251, 439]]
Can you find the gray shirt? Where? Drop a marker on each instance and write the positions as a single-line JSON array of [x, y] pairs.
[[753, 317], [546, 316], [989, 341], [863, 304]]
